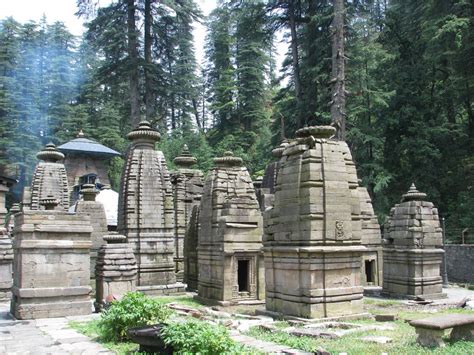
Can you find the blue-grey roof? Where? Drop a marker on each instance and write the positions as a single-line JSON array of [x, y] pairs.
[[86, 145]]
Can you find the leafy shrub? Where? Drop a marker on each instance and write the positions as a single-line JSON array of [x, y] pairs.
[[199, 337], [133, 310]]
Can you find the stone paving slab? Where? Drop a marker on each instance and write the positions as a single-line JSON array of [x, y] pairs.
[[45, 336], [267, 347]]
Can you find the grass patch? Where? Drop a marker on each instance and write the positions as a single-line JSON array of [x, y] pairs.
[[183, 300], [91, 330], [403, 342], [381, 303]]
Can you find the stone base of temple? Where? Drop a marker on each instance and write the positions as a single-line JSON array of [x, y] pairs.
[[372, 291], [51, 302], [177, 287], [412, 273], [425, 296], [314, 281]]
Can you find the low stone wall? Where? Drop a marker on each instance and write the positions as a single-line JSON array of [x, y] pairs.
[[460, 262]]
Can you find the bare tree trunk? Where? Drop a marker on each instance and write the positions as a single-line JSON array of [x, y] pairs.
[[295, 59], [338, 101], [149, 97], [133, 60]]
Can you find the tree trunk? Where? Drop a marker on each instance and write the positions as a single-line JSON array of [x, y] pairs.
[[149, 97], [338, 102], [133, 61], [295, 59]]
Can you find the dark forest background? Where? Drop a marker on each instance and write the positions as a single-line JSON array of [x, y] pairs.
[[409, 78]]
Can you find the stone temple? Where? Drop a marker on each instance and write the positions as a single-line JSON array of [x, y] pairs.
[[86, 163], [146, 215], [49, 181], [312, 240], [187, 190], [230, 261], [412, 253]]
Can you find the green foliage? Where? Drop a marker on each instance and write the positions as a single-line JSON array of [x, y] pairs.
[[196, 337], [133, 310]]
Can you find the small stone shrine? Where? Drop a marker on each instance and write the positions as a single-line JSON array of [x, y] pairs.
[[312, 241], [51, 263], [96, 212], [190, 251], [116, 269], [412, 253], [145, 213], [372, 258], [230, 261], [187, 191], [49, 179]]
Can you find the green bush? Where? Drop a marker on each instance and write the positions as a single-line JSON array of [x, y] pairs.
[[199, 337], [133, 310]]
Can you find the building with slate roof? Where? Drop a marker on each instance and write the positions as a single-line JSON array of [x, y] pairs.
[[86, 162]]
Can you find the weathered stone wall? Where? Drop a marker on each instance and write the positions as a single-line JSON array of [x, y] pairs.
[[146, 213], [190, 251], [412, 254], [51, 265], [313, 232], [230, 234], [6, 264], [187, 191], [116, 269], [78, 165], [96, 212], [460, 262], [372, 258]]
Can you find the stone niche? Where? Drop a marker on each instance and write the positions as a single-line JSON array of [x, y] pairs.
[[96, 212], [49, 181], [312, 240], [187, 191], [230, 261], [116, 269], [412, 253], [372, 258], [146, 213], [51, 264]]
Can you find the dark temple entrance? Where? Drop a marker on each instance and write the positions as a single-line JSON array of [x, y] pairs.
[[370, 271], [243, 275]]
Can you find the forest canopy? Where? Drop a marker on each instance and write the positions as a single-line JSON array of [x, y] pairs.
[[406, 87]]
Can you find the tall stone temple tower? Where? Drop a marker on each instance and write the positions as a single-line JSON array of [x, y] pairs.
[[312, 241], [230, 261], [145, 214], [187, 190], [49, 181], [412, 251]]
